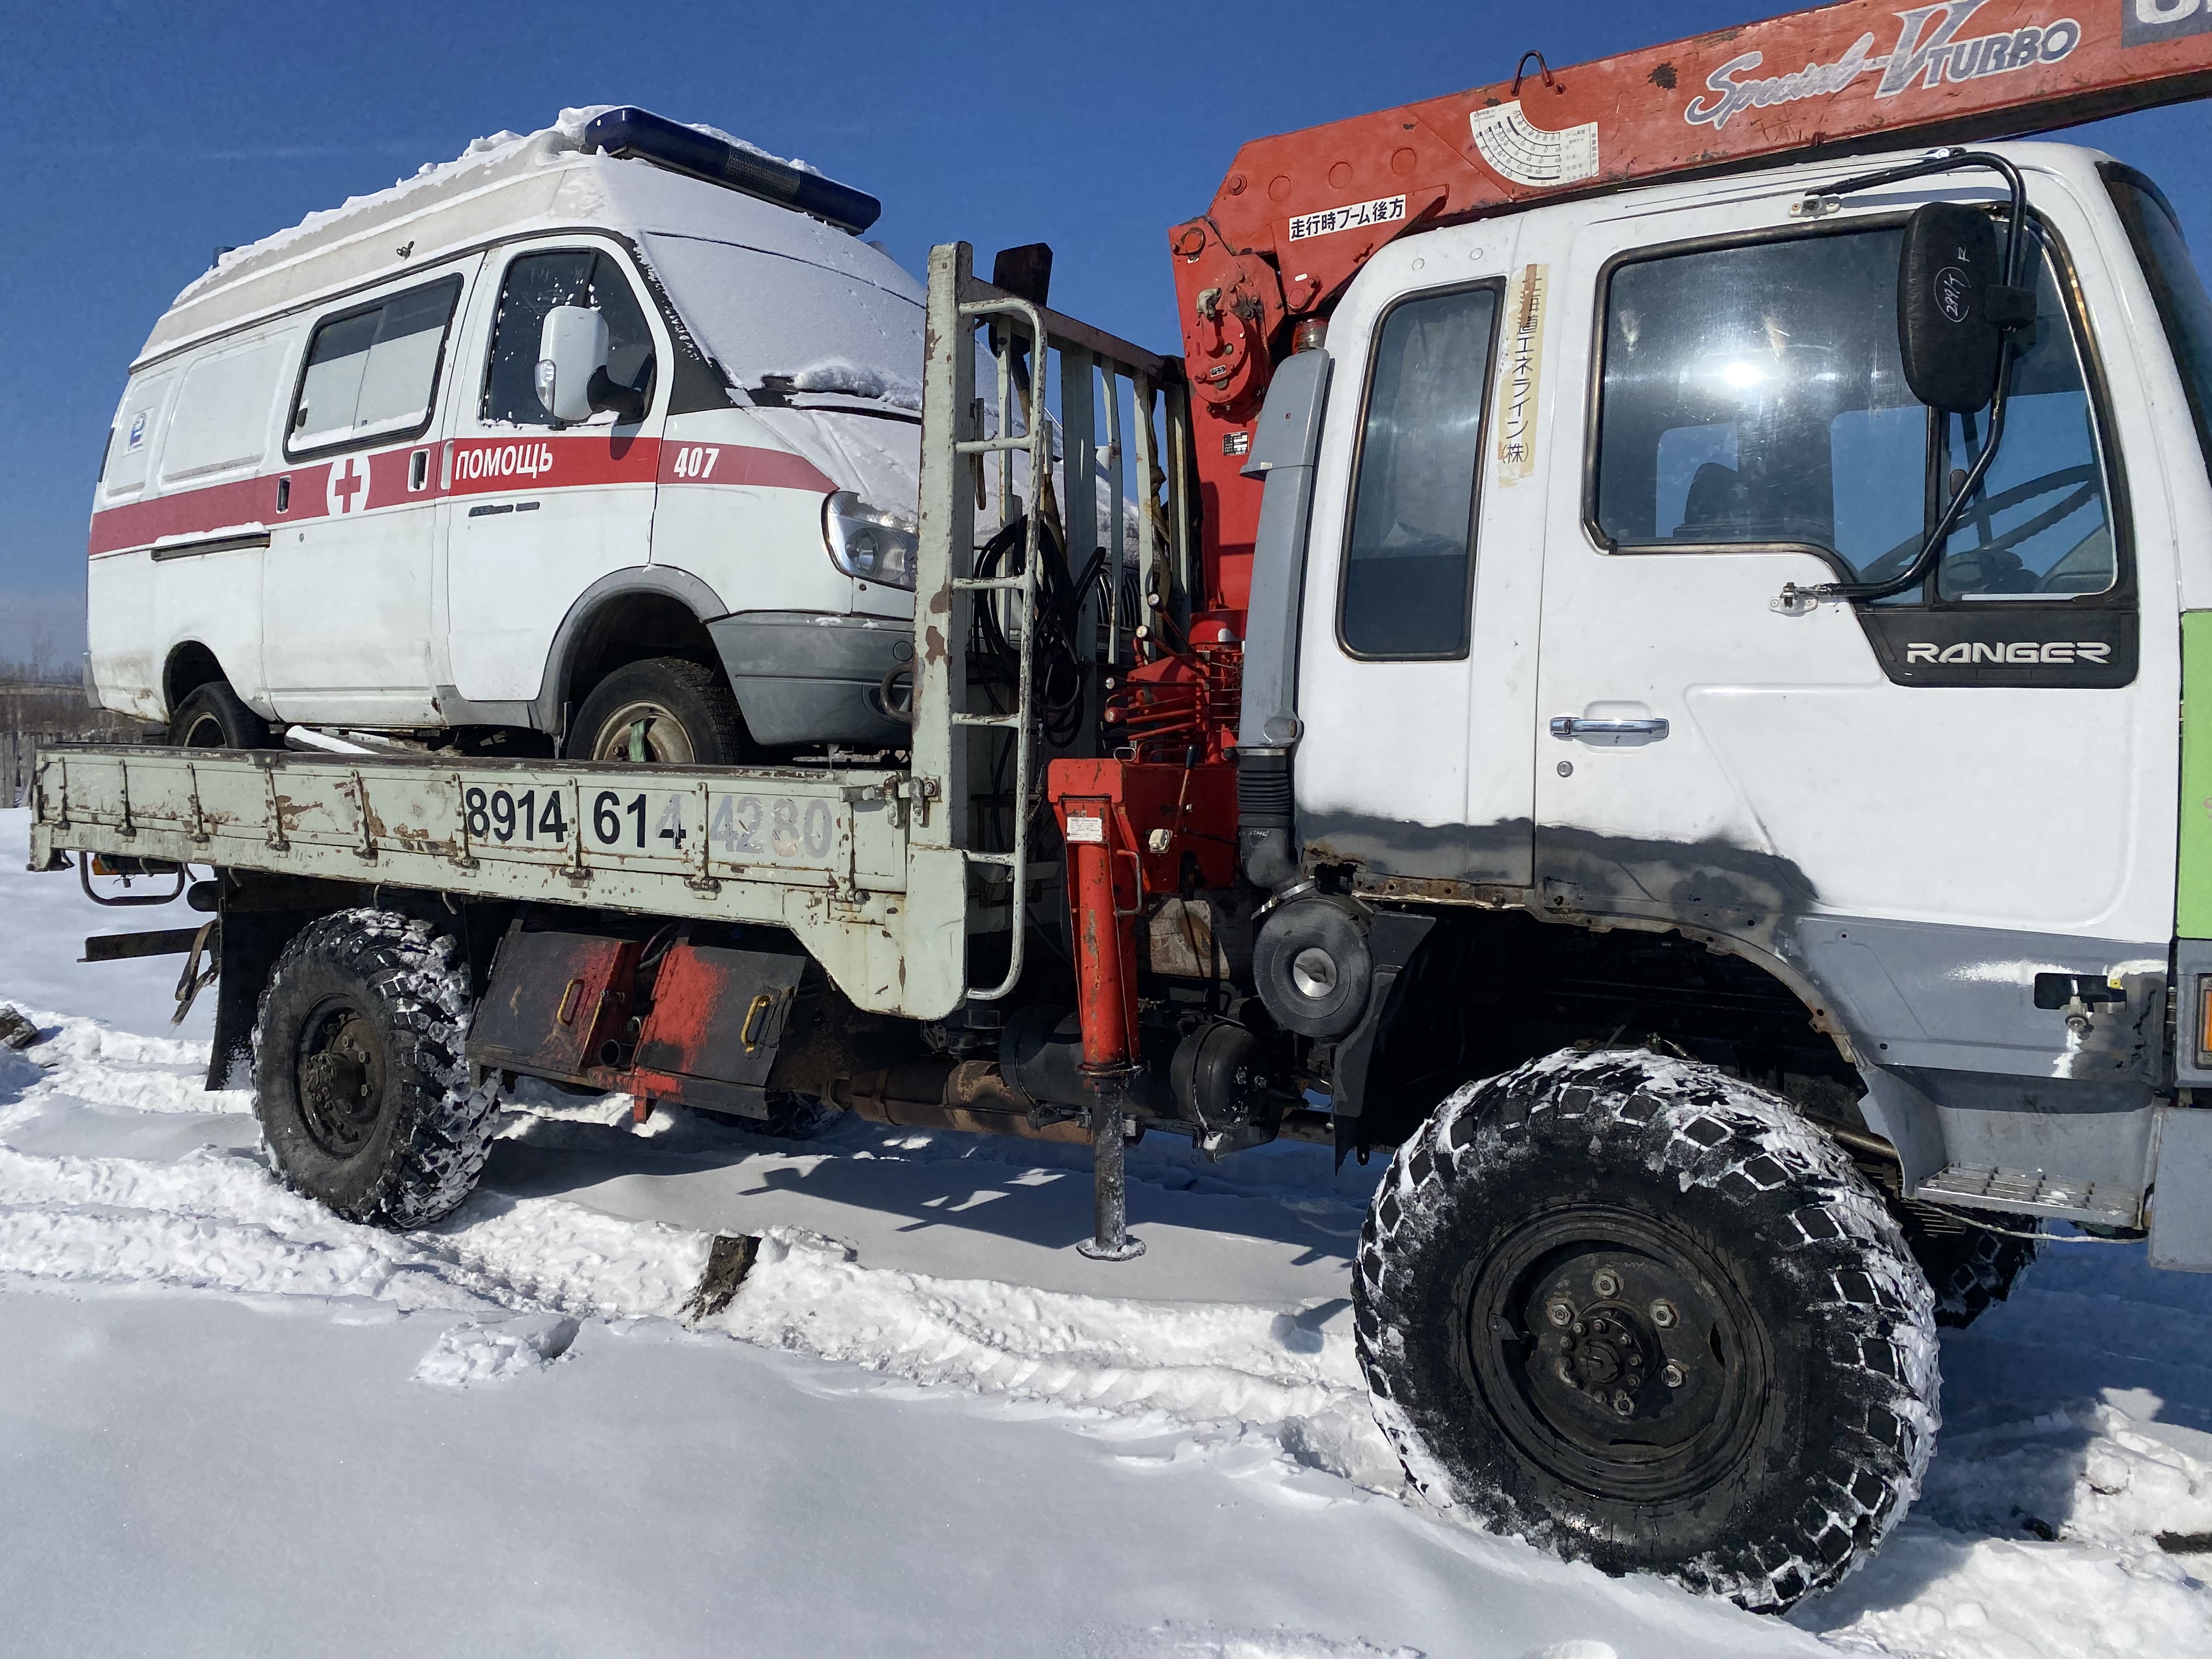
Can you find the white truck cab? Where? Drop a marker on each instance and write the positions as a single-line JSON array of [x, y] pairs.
[[1581, 471], [337, 492]]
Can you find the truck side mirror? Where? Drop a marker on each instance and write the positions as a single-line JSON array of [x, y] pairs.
[[1953, 306], [572, 348]]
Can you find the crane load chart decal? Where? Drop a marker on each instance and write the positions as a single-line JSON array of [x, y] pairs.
[[1518, 150]]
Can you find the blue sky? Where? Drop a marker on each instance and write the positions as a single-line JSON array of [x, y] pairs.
[[142, 136]]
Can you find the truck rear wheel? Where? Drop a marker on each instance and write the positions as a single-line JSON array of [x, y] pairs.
[[1644, 1315], [360, 1081], [1970, 1268], [211, 716], [665, 711]]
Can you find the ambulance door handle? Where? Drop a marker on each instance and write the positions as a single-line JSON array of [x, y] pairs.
[[1570, 726]]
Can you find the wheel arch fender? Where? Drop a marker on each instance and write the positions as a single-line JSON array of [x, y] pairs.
[[580, 631], [192, 663]]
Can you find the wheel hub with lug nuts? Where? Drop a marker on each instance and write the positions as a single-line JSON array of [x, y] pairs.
[[341, 1078], [1613, 1353], [1602, 1346]]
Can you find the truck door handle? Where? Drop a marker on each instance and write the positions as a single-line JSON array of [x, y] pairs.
[[1570, 726]]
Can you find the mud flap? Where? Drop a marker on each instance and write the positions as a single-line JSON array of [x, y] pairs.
[[2181, 1195], [1392, 938], [718, 1018]]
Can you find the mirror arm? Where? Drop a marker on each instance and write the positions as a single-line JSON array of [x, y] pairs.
[[1913, 575], [1916, 572]]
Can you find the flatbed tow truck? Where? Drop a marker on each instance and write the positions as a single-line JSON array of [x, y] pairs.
[[1646, 683]]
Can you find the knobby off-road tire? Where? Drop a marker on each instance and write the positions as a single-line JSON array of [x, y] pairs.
[[664, 711], [1971, 1270], [360, 1080], [1642, 1315]]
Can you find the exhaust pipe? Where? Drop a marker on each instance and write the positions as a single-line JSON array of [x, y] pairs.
[[970, 1095]]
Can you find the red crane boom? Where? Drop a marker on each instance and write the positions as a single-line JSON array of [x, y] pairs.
[[1299, 213]]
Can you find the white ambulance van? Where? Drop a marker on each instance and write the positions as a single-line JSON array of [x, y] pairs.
[[602, 440]]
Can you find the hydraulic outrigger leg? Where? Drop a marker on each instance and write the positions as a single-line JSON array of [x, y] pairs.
[[1106, 999], [1109, 1240]]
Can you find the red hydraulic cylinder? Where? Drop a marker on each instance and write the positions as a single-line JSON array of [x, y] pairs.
[[1105, 984]]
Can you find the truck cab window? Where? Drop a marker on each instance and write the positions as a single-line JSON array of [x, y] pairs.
[[1754, 395], [373, 372], [1409, 559], [2175, 288], [536, 283]]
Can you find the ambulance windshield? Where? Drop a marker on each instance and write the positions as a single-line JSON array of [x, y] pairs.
[[781, 325]]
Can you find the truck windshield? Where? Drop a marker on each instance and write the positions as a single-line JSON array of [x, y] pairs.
[[2174, 286]]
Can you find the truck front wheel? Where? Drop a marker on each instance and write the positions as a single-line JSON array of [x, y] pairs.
[[1645, 1315], [360, 1080]]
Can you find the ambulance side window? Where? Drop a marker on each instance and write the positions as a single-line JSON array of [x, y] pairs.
[[1409, 558], [131, 444], [372, 372], [536, 283]]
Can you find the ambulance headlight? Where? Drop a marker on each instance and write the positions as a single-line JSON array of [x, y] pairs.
[[872, 544]]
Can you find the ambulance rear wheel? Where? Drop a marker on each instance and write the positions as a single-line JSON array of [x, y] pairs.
[[664, 711], [361, 1081], [212, 717]]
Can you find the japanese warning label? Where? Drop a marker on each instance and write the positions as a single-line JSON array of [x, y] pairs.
[[1358, 216]]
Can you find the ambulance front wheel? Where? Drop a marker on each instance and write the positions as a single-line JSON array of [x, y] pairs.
[[663, 711]]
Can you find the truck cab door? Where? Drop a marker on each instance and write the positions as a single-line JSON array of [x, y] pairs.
[[536, 511], [1416, 678], [1914, 807]]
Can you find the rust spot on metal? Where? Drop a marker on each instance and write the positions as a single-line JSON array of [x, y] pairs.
[[1435, 890], [932, 645]]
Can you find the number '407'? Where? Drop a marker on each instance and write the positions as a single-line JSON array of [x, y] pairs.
[[696, 461]]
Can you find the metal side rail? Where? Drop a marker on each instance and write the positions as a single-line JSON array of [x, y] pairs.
[[822, 852]]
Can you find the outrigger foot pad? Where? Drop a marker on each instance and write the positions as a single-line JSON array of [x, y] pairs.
[[1110, 1210], [1098, 1250]]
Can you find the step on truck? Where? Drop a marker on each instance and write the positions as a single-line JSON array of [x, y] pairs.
[[1641, 663]]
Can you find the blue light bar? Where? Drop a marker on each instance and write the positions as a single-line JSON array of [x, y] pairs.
[[640, 133]]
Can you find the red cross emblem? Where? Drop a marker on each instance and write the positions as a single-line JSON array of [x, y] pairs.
[[348, 489]]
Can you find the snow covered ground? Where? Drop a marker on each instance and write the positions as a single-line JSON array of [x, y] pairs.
[[232, 1425]]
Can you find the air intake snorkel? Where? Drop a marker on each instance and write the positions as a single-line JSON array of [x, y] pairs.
[[640, 134], [1283, 445]]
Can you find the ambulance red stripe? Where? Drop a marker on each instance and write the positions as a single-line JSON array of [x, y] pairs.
[[458, 466]]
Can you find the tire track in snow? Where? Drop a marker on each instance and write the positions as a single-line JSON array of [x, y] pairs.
[[218, 1220], [1241, 1389]]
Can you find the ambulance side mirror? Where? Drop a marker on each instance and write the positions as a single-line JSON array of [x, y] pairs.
[[572, 348], [1953, 306]]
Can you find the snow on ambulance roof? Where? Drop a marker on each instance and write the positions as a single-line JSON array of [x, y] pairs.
[[506, 184]]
